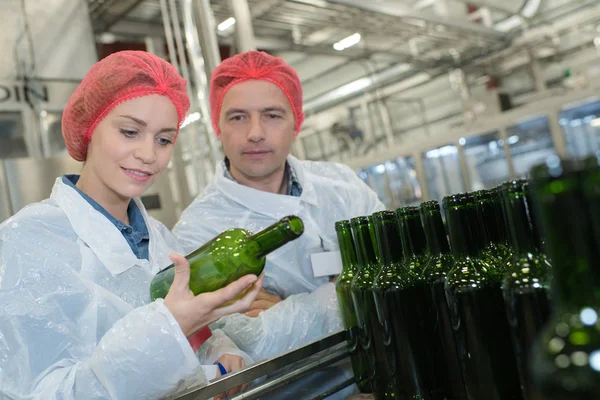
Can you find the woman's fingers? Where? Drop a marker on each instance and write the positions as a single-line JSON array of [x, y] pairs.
[[181, 280]]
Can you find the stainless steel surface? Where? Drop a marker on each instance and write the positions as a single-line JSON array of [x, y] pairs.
[[269, 366], [206, 27], [5, 206], [336, 355], [203, 50], [244, 34], [30, 180]]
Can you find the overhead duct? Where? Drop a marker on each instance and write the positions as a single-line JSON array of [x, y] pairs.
[[356, 87]]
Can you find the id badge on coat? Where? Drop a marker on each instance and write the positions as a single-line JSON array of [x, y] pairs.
[[326, 263]]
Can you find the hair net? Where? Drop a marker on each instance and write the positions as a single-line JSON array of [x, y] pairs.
[[117, 78], [255, 65]]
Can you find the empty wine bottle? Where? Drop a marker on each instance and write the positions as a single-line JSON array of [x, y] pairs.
[[526, 283], [229, 256], [438, 266], [364, 305], [477, 309], [566, 358], [400, 362], [415, 305], [344, 296]]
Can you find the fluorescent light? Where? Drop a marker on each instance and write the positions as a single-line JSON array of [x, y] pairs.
[[228, 23], [512, 139], [595, 122], [193, 117], [347, 42]]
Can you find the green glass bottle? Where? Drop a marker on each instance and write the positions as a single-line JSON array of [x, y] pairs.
[[388, 241], [364, 304], [438, 266], [229, 256], [566, 358], [477, 309], [491, 224], [526, 283], [416, 306], [344, 296]]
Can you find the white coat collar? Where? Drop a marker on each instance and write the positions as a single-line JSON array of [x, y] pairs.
[[101, 235], [270, 204]]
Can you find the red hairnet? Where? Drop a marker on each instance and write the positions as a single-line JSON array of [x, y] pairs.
[[117, 78], [255, 65]]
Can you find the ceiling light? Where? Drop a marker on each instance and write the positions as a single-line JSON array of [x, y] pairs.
[[193, 117], [228, 23], [347, 42]]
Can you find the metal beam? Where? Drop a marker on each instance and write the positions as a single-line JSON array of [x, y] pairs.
[[119, 10], [394, 10]]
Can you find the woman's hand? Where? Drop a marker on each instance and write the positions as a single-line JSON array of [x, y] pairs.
[[231, 363], [193, 313]]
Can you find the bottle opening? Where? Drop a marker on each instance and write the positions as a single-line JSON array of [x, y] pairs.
[[296, 225]]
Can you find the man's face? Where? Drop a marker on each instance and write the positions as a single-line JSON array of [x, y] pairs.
[[257, 129]]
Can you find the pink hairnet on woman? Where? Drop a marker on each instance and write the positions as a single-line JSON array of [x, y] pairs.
[[76, 321]]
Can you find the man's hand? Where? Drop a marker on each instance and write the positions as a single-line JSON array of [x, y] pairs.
[[231, 363], [195, 312], [264, 300]]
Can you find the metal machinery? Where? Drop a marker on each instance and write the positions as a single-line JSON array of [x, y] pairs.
[[485, 153], [284, 371]]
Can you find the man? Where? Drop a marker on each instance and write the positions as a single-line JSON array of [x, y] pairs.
[[256, 110]]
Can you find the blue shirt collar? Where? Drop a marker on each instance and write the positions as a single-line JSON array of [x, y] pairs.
[[137, 228]]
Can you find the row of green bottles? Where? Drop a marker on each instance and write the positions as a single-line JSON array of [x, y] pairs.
[[566, 358]]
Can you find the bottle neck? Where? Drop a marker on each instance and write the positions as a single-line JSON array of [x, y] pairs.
[[464, 239], [435, 234], [565, 223], [276, 235], [520, 223], [348, 253], [387, 234], [365, 252], [489, 222], [415, 234]]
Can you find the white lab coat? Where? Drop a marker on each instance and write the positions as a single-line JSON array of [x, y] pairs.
[[330, 192], [76, 321]]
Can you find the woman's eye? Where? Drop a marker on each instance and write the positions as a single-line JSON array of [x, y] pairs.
[[164, 141], [128, 133]]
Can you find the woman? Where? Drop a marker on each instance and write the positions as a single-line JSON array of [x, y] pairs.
[[75, 269]]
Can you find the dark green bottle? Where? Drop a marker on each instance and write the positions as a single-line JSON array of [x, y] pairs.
[[415, 305], [438, 266], [477, 308], [492, 226], [344, 296], [229, 256], [364, 304], [390, 278], [526, 283], [566, 358]]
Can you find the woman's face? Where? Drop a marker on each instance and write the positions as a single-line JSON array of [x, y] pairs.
[[131, 147]]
